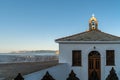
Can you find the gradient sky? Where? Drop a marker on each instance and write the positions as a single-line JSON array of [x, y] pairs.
[[35, 24]]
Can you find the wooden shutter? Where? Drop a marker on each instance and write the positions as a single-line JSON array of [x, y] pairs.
[[76, 57], [110, 58]]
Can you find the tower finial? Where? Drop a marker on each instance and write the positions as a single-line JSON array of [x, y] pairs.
[[93, 15]]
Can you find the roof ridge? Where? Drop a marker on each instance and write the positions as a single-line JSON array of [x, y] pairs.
[[70, 36], [91, 35], [111, 34]]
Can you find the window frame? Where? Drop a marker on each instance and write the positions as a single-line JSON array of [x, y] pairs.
[[110, 57], [76, 58]]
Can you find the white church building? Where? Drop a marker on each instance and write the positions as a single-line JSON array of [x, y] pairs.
[[91, 50], [87, 52]]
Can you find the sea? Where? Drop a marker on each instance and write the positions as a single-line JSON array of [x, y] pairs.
[[27, 57]]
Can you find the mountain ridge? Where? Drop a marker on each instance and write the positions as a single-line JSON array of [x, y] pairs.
[[35, 51]]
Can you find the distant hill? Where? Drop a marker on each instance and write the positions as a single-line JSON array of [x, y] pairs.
[[37, 51]]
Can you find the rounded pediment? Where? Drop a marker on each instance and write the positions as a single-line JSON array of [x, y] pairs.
[[92, 19]]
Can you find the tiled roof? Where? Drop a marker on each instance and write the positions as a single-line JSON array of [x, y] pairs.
[[93, 35]]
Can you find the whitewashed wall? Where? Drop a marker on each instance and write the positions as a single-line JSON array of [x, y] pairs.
[[82, 71]]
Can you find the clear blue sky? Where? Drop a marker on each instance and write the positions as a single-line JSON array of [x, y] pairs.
[[35, 24]]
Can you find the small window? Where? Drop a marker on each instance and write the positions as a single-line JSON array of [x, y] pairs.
[[110, 58], [76, 58]]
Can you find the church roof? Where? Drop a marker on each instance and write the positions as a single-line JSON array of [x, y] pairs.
[[92, 35]]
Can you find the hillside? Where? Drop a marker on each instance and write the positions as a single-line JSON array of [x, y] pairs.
[[36, 51]]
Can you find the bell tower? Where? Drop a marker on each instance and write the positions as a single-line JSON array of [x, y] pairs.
[[93, 23]]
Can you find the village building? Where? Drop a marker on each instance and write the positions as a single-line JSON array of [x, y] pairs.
[[87, 54]]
